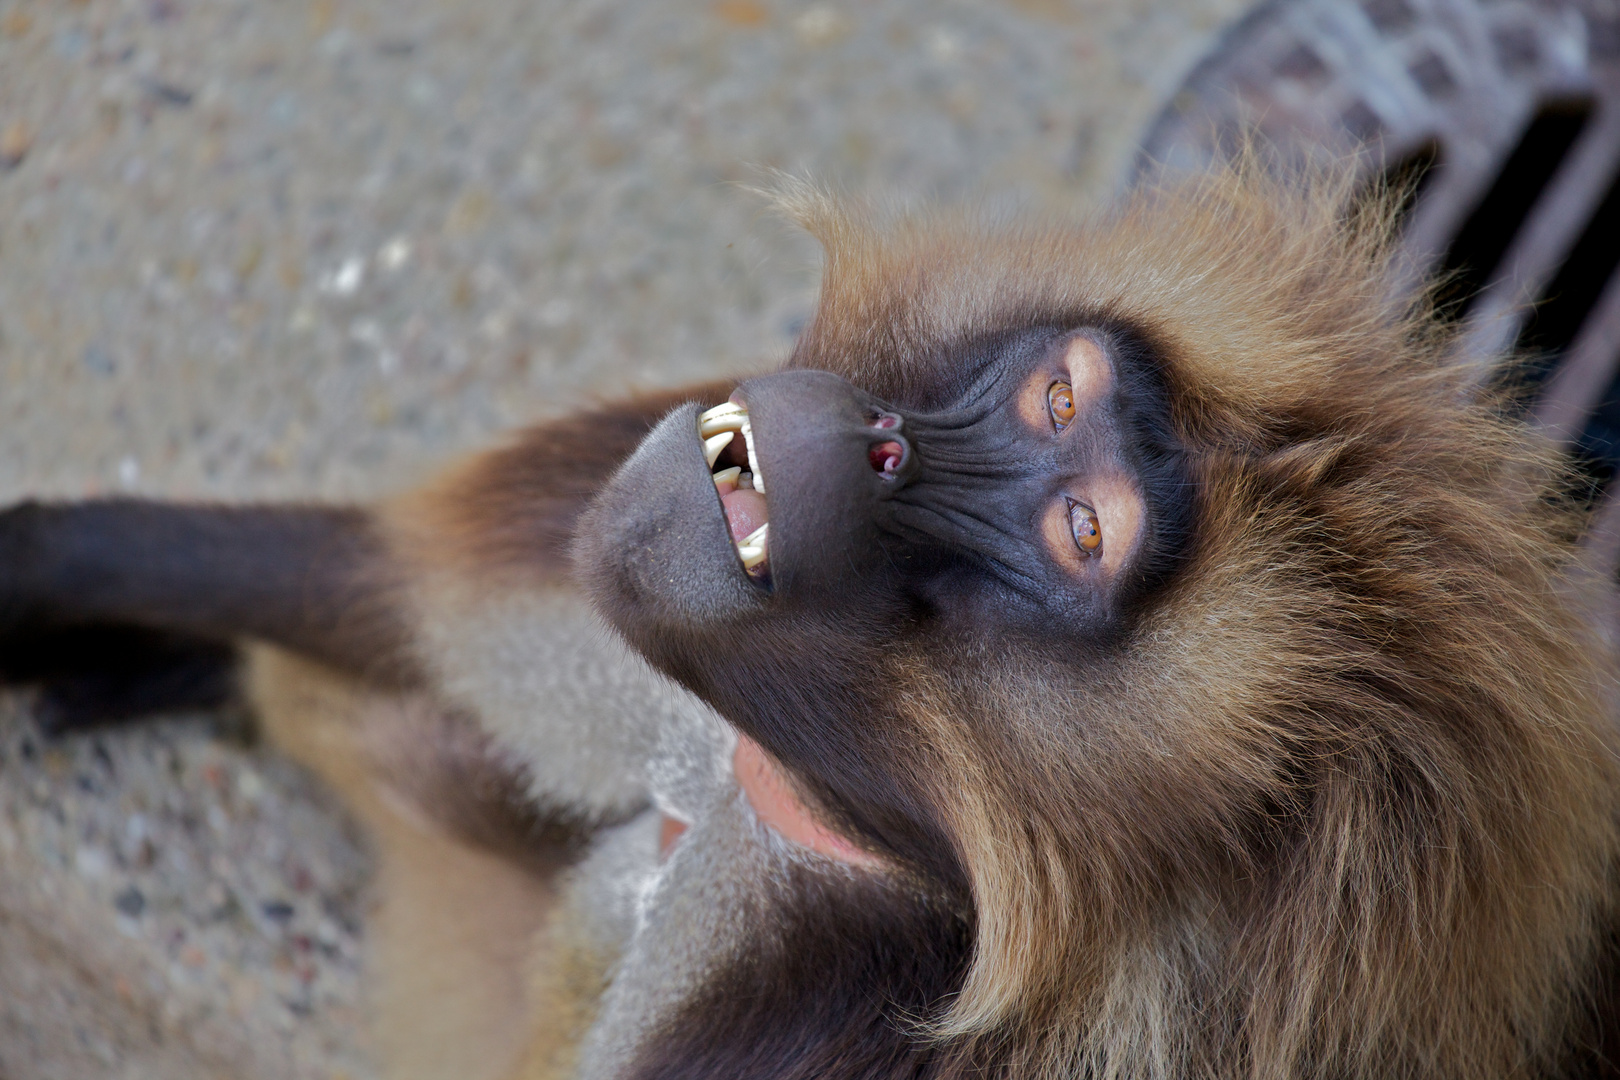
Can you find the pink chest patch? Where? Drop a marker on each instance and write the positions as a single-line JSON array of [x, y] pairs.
[[778, 807], [775, 804]]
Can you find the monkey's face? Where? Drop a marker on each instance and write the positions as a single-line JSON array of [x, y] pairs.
[[994, 505], [783, 553]]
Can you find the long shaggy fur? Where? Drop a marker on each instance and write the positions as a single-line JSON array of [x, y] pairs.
[[1345, 802]]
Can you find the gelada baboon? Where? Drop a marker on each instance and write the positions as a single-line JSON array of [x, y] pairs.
[[1124, 648]]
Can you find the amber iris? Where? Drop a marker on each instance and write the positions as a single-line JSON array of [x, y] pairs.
[[1060, 400], [1086, 528]]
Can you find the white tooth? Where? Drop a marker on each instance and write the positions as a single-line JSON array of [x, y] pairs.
[[753, 459], [722, 409], [712, 446], [751, 548], [727, 476], [746, 480], [725, 422]]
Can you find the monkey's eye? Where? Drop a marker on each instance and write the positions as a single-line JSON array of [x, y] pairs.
[[1086, 528], [1060, 401]]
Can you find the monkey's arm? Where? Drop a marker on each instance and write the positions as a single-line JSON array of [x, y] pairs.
[[312, 579], [118, 581]]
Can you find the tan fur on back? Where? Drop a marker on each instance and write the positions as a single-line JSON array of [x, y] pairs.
[[1346, 805]]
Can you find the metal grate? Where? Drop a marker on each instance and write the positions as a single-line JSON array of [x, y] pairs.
[[1510, 113]]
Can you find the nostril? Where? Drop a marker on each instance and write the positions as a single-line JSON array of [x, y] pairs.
[[886, 457], [884, 420]]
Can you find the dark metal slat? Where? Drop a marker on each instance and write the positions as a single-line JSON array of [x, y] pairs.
[[1549, 233], [1576, 388]]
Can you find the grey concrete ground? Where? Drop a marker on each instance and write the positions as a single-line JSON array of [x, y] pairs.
[[266, 248]]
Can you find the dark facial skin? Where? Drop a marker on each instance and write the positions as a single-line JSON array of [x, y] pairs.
[[1009, 514], [1025, 491]]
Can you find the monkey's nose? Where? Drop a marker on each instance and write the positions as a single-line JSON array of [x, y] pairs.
[[886, 457], [892, 458]]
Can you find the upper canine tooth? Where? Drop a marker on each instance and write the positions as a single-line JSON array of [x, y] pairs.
[[753, 459], [720, 410], [724, 422], [714, 444]]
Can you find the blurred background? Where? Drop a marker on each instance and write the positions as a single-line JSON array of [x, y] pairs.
[[314, 248]]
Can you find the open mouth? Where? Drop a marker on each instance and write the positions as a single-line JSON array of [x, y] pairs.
[[728, 447]]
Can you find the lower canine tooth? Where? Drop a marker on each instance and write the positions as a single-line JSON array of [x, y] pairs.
[[713, 445], [727, 476], [751, 548]]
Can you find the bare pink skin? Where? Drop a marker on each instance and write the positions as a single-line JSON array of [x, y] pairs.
[[670, 831], [777, 805], [778, 808]]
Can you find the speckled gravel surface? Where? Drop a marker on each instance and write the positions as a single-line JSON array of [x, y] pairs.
[[223, 888], [269, 248]]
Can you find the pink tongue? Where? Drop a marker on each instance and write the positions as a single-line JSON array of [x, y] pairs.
[[745, 511]]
